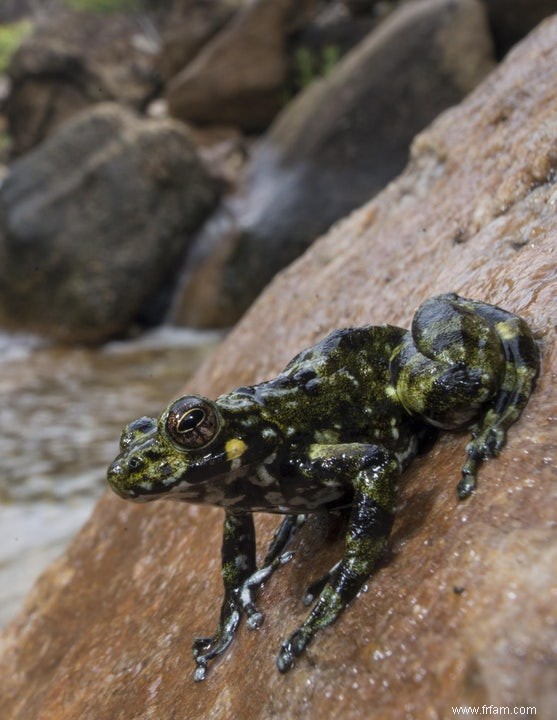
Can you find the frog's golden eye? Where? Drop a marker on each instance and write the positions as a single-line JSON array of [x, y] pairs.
[[192, 422]]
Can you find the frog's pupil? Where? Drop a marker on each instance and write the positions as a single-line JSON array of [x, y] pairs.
[[190, 420]]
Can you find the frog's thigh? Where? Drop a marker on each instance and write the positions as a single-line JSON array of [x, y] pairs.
[[454, 330], [371, 518], [450, 365]]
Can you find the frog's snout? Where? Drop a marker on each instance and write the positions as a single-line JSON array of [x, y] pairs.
[[116, 475]]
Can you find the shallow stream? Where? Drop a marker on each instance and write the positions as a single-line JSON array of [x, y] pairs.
[[61, 414]]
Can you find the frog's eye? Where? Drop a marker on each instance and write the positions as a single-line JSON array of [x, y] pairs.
[[192, 422]]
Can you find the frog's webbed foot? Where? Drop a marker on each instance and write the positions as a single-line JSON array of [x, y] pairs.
[[241, 600], [207, 648], [241, 581], [489, 434], [487, 441]]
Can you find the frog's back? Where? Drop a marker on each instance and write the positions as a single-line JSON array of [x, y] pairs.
[[341, 384]]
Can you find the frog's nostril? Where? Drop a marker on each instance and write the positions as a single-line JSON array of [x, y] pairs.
[[135, 463]]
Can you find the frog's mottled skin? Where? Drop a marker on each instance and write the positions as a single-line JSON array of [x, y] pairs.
[[333, 430]]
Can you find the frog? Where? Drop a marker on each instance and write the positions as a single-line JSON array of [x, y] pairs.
[[332, 433]]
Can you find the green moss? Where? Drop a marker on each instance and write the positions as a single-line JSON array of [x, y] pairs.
[[305, 71], [329, 58], [11, 36], [312, 65], [309, 65]]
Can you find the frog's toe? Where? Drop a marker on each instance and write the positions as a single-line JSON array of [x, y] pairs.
[[200, 672], [290, 649], [245, 595], [314, 590], [494, 442], [204, 650], [255, 619], [285, 658], [466, 486]]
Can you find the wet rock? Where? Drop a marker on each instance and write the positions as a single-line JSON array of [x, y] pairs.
[[238, 77], [511, 21], [72, 60], [332, 148], [93, 222], [462, 610]]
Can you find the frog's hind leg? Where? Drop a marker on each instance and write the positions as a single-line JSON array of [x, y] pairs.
[[466, 364], [521, 368]]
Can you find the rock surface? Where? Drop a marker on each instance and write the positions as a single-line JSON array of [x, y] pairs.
[[332, 148], [238, 77], [72, 60], [463, 609], [94, 221]]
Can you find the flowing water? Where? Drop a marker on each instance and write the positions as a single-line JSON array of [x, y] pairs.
[[61, 414]]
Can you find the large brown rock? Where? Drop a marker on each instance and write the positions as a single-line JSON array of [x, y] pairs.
[[462, 611], [335, 146], [94, 221], [238, 77], [74, 59], [190, 25]]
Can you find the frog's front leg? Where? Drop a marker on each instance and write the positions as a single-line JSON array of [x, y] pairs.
[[373, 474], [275, 558], [238, 564]]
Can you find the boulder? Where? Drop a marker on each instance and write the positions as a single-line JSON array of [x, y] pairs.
[[93, 222], [12, 10], [333, 147], [462, 611], [189, 26], [72, 60], [238, 77]]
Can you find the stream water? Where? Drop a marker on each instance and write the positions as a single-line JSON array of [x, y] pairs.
[[61, 414]]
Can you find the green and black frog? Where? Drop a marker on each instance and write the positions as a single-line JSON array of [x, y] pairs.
[[334, 430]]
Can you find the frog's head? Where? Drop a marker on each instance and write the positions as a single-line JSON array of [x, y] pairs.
[[173, 454]]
